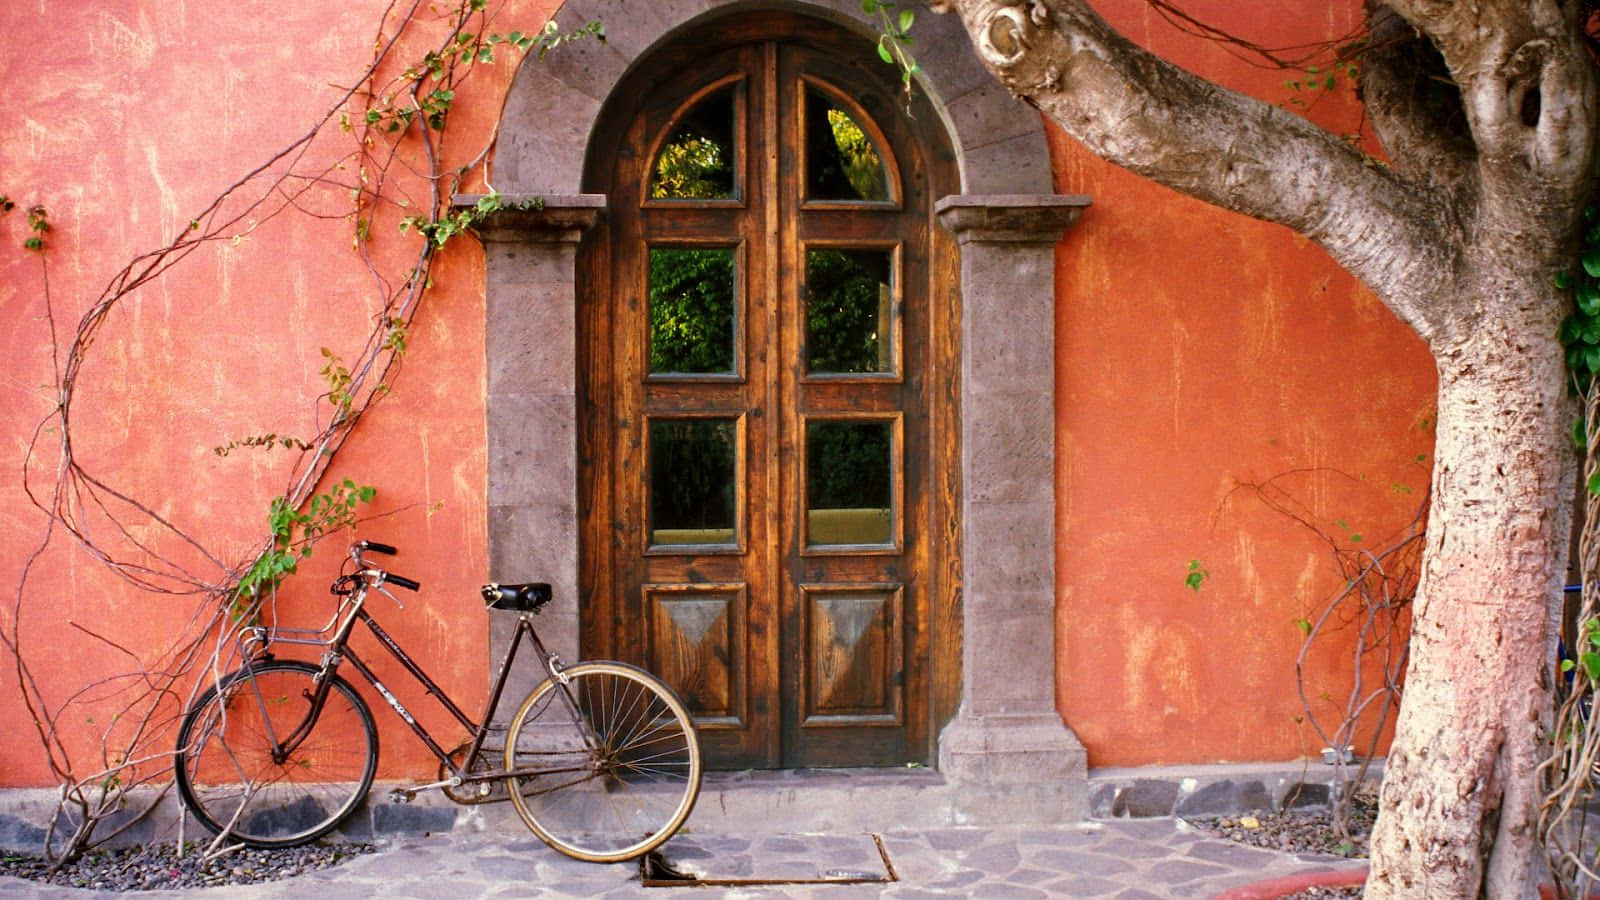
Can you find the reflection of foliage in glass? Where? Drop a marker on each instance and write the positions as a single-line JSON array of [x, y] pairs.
[[847, 465], [692, 469], [691, 310], [841, 161], [696, 162], [846, 312]]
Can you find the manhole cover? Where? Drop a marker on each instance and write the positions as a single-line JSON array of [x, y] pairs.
[[728, 861]]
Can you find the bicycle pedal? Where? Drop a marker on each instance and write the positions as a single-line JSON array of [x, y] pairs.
[[401, 795]]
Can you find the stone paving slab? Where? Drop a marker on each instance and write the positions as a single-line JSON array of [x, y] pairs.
[[1115, 859]]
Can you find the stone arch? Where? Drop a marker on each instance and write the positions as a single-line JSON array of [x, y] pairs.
[[1007, 743], [552, 107]]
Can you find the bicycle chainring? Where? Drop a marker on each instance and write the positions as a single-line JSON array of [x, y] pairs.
[[474, 792]]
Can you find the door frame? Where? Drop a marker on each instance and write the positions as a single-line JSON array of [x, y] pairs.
[[1007, 221]]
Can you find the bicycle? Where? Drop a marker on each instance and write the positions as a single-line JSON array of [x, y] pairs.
[[601, 760]]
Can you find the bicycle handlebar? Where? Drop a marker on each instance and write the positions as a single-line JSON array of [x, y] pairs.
[[408, 584], [385, 577]]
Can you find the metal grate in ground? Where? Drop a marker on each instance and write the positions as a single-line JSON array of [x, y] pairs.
[[767, 859]]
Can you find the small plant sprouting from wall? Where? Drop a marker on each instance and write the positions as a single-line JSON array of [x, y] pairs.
[[394, 121]]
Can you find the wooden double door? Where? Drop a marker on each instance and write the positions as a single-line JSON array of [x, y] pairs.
[[762, 481]]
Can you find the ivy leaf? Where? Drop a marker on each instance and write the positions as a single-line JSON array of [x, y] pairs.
[[1588, 297], [1591, 262]]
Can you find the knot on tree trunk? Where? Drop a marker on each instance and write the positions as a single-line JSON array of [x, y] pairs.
[[1007, 31]]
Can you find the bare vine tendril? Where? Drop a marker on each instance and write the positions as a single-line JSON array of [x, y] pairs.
[[392, 120]]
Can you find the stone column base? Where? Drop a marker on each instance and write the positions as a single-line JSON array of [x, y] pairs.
[[1015, 768]]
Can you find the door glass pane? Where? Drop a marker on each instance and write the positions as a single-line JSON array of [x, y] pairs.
[[693, 481], [848, 482], [842, 163], [691, 310], [849, 302], [697, 160]]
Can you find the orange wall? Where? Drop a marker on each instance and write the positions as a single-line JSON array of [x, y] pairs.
[[1198, 350], [126, 117]]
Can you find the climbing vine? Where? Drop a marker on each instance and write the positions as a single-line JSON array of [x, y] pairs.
[[393, 117], [1570, 771]]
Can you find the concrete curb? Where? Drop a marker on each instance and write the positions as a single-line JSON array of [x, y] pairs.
[[818, 801]]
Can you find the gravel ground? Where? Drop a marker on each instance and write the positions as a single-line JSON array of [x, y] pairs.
[[158, 867], [1301, 831]]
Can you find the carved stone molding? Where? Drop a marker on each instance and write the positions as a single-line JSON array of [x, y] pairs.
[[532, 218]]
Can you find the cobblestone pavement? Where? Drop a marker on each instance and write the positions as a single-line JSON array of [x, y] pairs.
[[1130, 859]]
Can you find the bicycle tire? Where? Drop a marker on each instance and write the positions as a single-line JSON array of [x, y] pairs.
[[224, 767], [619, 779]]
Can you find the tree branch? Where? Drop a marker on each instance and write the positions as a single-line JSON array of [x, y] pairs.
[[1233, 151]]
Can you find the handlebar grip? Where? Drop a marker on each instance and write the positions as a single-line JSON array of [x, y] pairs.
[[401, 580], [376, 547]]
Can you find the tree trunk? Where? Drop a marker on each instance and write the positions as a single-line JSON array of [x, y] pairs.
[[1487, 112], [1460, 795]]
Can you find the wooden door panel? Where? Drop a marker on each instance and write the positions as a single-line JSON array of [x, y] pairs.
[[853, 664], [697, 645]]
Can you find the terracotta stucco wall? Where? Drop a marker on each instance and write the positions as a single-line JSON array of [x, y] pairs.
[[1198, 350], [125, 119]]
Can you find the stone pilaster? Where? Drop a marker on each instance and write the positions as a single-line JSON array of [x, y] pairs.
[[530, 254], [1007, 744]]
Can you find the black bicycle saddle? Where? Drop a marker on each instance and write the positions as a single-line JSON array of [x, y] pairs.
[[516, 597]]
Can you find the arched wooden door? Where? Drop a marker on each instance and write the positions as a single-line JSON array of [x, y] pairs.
[[765, 370]]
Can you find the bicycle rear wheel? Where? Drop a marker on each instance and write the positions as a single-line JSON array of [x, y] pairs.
[[606, 767], [231, 778]]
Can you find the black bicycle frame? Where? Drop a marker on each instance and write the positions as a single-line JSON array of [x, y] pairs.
[[339, 650]]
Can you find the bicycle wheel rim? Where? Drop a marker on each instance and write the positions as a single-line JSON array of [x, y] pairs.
[[626, 789], [226, 772]]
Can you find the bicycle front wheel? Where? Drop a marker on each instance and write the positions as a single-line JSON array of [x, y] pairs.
[[605, 767], [233, 775]]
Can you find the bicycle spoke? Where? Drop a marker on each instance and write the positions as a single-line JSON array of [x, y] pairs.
[[647, 768]]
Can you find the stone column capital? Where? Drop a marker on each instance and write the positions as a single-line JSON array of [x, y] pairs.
[[536, 218], [1012, 218]]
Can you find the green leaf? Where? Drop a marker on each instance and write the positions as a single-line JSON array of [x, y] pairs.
[[1588, 297], [883, 51], [907, 18], [1594, 484], [1304, 625], [1591, 262], [1570, 332], [1591, 665]]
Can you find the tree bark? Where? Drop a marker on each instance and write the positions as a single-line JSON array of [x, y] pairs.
[[1459, 797], [1459, 232]]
